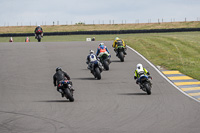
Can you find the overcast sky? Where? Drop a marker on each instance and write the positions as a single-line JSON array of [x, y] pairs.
[[32, 12]]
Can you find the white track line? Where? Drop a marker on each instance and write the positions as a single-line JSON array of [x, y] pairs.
[[162, 74]]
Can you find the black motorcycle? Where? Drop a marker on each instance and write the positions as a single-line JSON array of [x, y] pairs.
[[145, 83], [96, 69], [105, 60], [67, 89], [39, 34], [38, 37], [120, 51]]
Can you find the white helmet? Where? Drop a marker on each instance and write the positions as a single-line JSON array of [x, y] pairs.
[[38, 25], [139, 66], [116, 38], [91, 52], [101, 44]]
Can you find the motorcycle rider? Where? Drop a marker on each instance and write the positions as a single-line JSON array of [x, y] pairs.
[[58, 77], [90, 59], [11, 39], [118, 41], [140, 70], [102, 49], [38, 29]]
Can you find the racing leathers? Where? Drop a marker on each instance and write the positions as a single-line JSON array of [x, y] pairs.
[[119, 42], [58, 77], [101, 50], [140, 71], [90, 59], [38, 30]]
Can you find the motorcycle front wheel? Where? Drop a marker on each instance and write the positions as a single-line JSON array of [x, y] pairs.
[[39, 38]]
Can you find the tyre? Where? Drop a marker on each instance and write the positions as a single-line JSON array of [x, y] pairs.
[[39, 38], [97, 73], [106, 65], [68, 95], [148, 88], [121, 56]]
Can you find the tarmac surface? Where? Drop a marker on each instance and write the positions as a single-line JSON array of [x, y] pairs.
[[29, 103]]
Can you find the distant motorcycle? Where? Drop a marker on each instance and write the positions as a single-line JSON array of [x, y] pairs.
[[120, 52], [96, 69], [145, 83], [38, 37], [66, 88], [105, 59], [39, 33]]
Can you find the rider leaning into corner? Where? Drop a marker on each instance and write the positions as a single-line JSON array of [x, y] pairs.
[[140, 70], [58, 77], [102, 49], [90, 59], [38, 30], [116, 42]]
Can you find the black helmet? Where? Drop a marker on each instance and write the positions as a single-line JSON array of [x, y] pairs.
[[58, 68]]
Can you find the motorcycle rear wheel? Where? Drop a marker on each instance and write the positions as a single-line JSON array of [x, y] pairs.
[[121, 56], [106, 65], [68, 95], [148, 88], [97, 73]]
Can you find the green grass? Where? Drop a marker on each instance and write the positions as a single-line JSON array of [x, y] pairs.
[[100, 27], [172, 51]]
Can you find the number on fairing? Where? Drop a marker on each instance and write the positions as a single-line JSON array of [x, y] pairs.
[[92, 57]]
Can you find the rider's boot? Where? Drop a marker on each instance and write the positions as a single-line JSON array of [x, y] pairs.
[[61, 91], [72, 89]]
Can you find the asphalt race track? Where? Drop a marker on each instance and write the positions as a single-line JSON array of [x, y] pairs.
[[29, 103]]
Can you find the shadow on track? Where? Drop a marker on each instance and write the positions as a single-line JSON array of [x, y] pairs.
[[136, 94], [83, 78], [115, 61], [53, 101], [85, 69]]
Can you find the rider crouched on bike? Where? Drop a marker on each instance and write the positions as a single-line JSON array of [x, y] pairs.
[[58, 77], [90, 59], [117, 42], [38, 30], [140, 70], [102, 49]]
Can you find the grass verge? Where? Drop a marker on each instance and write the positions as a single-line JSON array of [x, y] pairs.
[[100, 27]]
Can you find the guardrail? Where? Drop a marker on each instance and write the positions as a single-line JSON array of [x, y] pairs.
[[102, 32]]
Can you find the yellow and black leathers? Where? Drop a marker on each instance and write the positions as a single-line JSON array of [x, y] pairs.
[[118, 41], [137, 75]]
